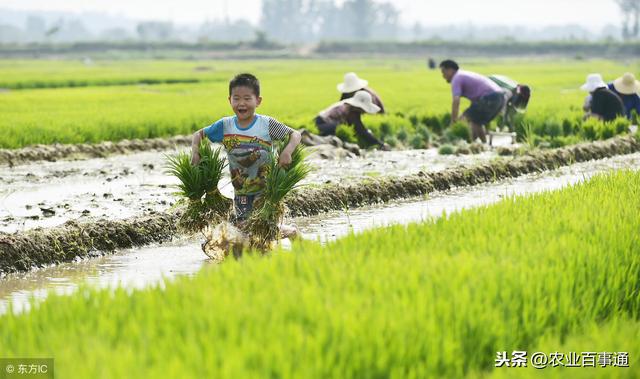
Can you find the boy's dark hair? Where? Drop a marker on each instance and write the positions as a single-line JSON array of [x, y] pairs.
[[449, 64], [245, 80]]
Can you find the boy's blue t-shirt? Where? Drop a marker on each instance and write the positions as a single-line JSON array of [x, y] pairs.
[[248, 149]]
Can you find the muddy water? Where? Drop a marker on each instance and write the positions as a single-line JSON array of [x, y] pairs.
[[46, 194], [136, 268]]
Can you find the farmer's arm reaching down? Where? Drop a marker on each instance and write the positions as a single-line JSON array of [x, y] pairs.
[[356, 120], [455, 109], [279, 131]]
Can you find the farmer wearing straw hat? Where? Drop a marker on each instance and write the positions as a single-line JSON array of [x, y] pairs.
[[627, 88], [352, 84], [349, 111], [602, 103]]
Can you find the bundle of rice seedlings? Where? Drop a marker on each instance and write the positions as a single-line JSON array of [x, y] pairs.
[[199, 185], [268, 212]]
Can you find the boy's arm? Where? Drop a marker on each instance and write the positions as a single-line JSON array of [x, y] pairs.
[[285, 155], [196, 139], [213, 132], [279, 131]]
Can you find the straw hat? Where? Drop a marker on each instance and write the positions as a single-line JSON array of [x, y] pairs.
[[363, 100], [352, 83], [627, 84], [594, 81]]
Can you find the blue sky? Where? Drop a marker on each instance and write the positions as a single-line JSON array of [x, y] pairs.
[[590, 13]]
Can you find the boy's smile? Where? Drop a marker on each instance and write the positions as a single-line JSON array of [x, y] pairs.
[[244, 102]]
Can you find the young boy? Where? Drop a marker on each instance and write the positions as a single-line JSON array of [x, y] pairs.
[[247, 137]]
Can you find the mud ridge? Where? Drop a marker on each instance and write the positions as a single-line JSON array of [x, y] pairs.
[[73, 240], [59, 151], [311, 201], [39, 247]]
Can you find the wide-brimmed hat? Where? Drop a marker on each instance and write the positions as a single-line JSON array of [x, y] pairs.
[[352, 83], [594, 81], [363, 100], [627, 84]]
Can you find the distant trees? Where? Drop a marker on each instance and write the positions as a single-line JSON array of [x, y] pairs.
[[35, 27], [307, 20], [630, 18], [154, 30], [288, 20], [238, 30]]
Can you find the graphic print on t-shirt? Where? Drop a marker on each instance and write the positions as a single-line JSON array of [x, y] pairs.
[[248, 150]]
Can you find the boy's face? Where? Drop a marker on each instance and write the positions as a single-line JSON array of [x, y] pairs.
[[244, 102]]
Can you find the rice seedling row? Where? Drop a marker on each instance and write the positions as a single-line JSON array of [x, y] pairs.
[[418, 101]]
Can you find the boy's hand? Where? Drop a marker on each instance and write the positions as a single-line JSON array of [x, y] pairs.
[[195, 158], [285, 159]]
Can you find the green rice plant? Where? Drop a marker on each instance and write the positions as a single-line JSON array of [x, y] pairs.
[[606, 130], [447, 149], [621, 125], [392, 141], [635, 118], [529, 136], [458, 131], [553, 128], [346, 134], [403, 136], [571, 124], [589, 129], [262, 225], [199, 186], [110, 108], [564, 141], [419, 142]]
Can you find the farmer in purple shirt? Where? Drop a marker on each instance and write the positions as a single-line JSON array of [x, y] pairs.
[[487, 98]]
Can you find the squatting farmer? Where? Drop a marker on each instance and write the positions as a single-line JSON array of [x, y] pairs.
[[627, 88], [352, 84], [349, 112], [601, 103]]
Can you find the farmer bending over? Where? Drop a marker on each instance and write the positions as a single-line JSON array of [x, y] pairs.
[[352, 84], [627, 88], [487, 98], [349, 112], [601, 103], [247, 137]]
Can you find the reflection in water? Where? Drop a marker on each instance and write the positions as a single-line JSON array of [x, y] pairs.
[[136, 268]]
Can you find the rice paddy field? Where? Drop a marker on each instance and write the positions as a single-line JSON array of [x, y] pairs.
[[440, 285], [548, 272], [117, 102]]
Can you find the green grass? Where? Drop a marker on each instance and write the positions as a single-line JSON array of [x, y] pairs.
[[294, 91], [435, 299], [31, 74]]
